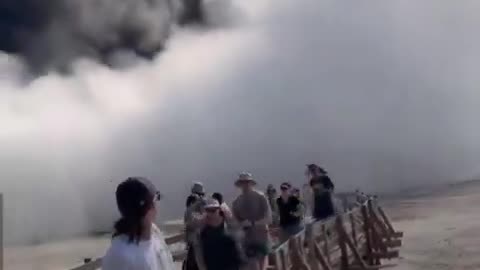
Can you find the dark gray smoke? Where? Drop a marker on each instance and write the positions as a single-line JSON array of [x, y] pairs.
[[384, 94], [51, 34]]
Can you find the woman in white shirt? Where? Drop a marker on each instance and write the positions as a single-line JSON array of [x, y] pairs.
[[137, 243]]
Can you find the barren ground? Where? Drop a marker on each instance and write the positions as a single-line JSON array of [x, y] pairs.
[[442, 229]]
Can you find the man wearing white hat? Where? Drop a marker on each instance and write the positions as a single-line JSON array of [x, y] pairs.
[[252, 210]]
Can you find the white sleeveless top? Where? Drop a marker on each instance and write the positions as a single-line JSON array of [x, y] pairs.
[[150, 254]]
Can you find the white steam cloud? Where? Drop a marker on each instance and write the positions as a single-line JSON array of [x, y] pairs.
[[382, 93]]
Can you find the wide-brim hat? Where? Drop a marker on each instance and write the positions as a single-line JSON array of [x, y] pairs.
[[245, 177], [198, 188]]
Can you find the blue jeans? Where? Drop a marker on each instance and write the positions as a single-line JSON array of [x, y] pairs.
[[290, 230]]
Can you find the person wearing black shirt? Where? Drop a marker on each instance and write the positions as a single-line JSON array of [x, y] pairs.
[[322, 199], [290, 211], [317, 172], [219, 247]]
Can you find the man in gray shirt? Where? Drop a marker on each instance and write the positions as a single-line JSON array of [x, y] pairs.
[[252, 210]]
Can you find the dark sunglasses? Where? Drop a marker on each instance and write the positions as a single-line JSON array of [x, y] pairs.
[[211, 210], [158, 196]]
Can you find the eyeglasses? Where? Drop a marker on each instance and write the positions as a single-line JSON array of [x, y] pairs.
[[211, 210]]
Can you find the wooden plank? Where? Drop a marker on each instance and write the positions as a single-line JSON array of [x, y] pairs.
[[393, 243], [326, 250], [386, 220], [321, 258], [179, 255], [390, 254], [175, 239]]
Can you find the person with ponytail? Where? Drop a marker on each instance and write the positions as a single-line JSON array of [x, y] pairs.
[[137, 243]]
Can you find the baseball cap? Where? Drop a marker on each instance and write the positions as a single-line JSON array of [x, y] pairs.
[[135, 196], [285, 186]]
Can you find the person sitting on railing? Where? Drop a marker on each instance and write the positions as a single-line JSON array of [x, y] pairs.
[[193, 217], [290, 210], [218, 240], [137, 243], [323, 206], [252, 211]]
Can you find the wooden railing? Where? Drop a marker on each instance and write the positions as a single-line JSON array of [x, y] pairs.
[[360, 238]]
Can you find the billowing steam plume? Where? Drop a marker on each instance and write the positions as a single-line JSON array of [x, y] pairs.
[[384, 94], [51, 34]]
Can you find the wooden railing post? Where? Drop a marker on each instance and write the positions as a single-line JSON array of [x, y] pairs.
[[341, 242], [354, 230], [312, 247], [297, 255], [366, 228], [326, 244]]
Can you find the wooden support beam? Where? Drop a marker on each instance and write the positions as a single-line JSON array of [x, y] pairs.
[[175, 238], [354, 231], [386, 220], [348, 241], [341, 242], [312, 258], [366, 228], [326, 246], [393, 243], [321, 258], [386, 255]]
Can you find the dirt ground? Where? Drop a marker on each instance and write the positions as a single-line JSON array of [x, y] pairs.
[[441, 227]]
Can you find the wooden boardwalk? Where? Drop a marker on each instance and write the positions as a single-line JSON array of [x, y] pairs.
[[360, 238]]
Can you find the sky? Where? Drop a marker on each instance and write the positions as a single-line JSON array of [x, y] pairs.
[[380, 93]]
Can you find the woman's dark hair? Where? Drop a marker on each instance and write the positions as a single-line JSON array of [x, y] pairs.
[[190, 200], [135, 197], [218, 196]]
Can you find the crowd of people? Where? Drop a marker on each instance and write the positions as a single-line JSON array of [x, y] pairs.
[[218, 236]]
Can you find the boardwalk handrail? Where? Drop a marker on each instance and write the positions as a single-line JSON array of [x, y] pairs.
[[358, 238]]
